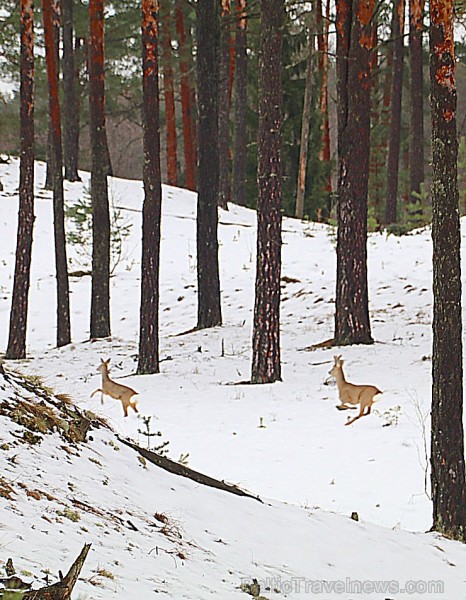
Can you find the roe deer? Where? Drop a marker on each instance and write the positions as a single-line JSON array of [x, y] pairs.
[[350, 393], [115, 390]]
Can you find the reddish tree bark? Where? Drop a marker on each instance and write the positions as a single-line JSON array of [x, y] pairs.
[[354, 47], [152, 208], [100, 287], [322, 45], [395, 113], [186, 100], [19, 302], [416, 146], [169, 92], [266, 365], [61, 264], [56, 13], [447, 435]]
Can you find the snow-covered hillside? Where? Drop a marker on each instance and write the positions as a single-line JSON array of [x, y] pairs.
[[302, 462]]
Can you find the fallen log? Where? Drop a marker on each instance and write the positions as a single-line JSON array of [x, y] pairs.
[[178, 469]]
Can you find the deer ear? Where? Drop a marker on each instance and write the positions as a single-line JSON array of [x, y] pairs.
[[107, 361], [102, 362]]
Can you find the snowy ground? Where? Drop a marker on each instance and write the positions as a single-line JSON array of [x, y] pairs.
[[300, 461]]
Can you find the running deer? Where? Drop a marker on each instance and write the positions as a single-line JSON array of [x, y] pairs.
[[350, 393], [115, 390]]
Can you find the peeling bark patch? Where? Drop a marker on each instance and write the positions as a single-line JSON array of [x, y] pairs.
[[365, 12], [445, 77], [448, 115]]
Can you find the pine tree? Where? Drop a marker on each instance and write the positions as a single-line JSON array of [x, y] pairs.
[[208, 277], [352, 325], [224, 195], [169, 91], [19, 302], [395, 118], [187, 109], [100, 289], [416, 142], [152, 208], [305, 122], [240, 135], [61, 264], [447, 436], [266, 365], [71, 137]]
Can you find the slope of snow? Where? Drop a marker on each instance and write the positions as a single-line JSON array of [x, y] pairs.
[[301, 456]]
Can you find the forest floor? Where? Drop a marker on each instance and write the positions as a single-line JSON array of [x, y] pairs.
[[153, 532]]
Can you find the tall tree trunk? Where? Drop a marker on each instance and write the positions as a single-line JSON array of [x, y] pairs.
[[241, 107], [193, 95], [447, 437], [100, 292], [395, 118], [224, 108], [63, 296], [186, 101], [416, 146], [19, 302], [70, 149], [322, 42], [352, 324], [168, 91], [305, 122], [387, 101], [56, 13], [266, 365], [208, 279], [152, 208], [376, 184]]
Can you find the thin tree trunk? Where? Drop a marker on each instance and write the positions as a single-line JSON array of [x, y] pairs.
[[56, 12], [63, 296], [416, 146], [70, 149], [168, 90], [152, 208], [447, 437], [241, 81], [322, 42], [224, 108], [100, 292], [266, 365], [19, 303], [186, 104], [395, 117], [305, 122], [208, 278], [375, 162], [193, 96], [352, 325]]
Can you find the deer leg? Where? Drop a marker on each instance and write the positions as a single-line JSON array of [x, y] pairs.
[[361, 414], [134, 406]]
